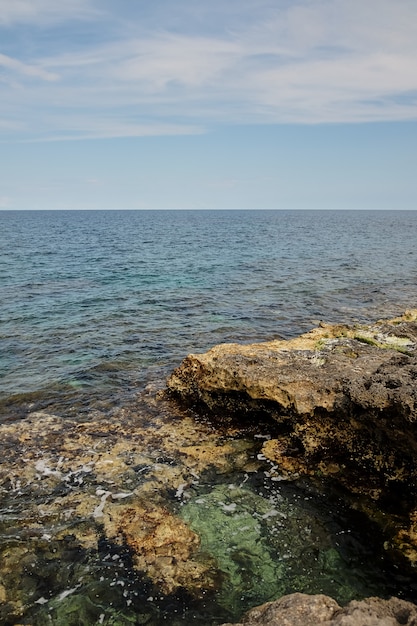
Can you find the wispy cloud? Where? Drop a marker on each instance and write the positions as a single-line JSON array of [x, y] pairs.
[[43, 11], [77, 129], [267, 62], [16, 66]]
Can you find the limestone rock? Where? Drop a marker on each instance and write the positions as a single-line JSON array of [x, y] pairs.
[[303, 610], [330, 368], [343, 399], [163, 546]]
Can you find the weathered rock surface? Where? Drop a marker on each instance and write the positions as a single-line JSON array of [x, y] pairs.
[[344, 400], [303, 610], [71, 485]]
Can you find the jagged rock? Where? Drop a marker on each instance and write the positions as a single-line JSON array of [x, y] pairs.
[[344, 401], [303, 610]]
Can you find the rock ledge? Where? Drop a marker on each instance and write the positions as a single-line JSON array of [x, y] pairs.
[[344, 403]]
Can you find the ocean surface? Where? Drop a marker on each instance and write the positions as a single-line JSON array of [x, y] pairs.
[[103, 301], [97, 307]]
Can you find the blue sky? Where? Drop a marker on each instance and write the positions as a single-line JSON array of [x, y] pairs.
[[192, 104]]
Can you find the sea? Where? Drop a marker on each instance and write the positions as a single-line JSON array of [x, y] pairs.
[[98, 307]]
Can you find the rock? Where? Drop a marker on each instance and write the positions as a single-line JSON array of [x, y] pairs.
[[344, 402], [70, 486], [163, 546], [303, 610]]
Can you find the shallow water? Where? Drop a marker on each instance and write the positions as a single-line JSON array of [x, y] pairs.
[[92, 523], [96, 309]]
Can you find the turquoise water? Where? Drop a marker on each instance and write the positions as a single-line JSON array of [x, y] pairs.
[[105, 300], [96, 309]]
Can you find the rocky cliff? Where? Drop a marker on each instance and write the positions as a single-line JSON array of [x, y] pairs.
[[344, 403]]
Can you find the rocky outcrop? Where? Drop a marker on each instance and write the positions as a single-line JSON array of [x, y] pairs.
[[303, 610], [344, 403]]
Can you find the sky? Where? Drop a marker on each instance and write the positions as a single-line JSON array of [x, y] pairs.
[[160, 104]]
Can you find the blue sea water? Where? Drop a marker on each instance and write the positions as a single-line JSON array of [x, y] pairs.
[[96, 309], [103, 301]]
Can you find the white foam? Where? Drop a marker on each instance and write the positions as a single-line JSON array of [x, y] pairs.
[[67, 593], [180, 491], [41, 601], [98, 511], [229, 508], [44, 470], [122, 495]]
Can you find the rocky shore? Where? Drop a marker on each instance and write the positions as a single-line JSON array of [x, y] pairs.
[[343, 400], [120, 513]]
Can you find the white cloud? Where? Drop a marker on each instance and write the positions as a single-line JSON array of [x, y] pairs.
[[184, 60], [350, 89], [304, 62], [33, 71], [76, 128], [43, 11]]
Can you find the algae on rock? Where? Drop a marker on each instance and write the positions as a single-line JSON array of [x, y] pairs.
[[266, 547]]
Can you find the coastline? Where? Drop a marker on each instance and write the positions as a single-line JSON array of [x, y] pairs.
[[115, 506], [344, 402]]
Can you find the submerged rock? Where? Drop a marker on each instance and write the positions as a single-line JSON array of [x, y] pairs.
[[266, 546], [303, 610], [344, 401], [163, 546], [87, 509]]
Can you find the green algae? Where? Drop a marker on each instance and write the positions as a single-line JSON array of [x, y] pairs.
[[266, 547], [231, 533], [385, 342], [375, 339]]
